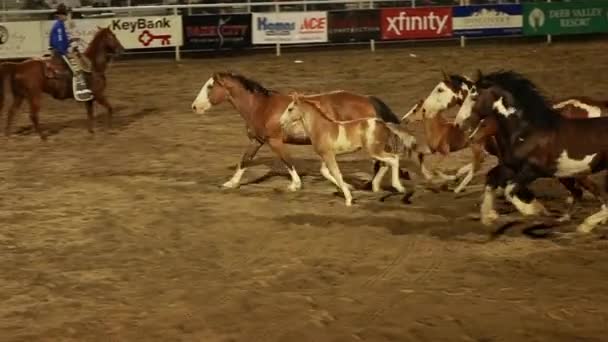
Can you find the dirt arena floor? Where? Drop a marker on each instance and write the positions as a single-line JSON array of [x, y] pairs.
[[127, 236]]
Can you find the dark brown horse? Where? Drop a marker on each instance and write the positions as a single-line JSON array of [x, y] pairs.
[[29, 79], [261, 109]]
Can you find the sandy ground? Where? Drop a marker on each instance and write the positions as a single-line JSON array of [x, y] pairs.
[[127, 236]]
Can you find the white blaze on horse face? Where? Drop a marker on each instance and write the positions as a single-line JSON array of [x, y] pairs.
[[567, 166], [438, 100], [499, 106], [592, 111], [466, 109], [201, 103]]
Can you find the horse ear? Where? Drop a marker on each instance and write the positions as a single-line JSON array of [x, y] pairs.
[[479, 74], [445, 75]]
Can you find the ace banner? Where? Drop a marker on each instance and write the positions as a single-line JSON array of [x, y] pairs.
[[217, 32], [557, 18]]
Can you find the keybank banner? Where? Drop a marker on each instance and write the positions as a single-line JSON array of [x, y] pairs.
[[487, 20], [289, 27], [590, 16], [133, 32]]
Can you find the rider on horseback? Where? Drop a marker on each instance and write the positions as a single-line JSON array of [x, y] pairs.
[[60, 44]]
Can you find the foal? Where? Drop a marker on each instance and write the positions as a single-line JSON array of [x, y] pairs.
[[330, 138]]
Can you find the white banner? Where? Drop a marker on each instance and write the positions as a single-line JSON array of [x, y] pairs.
[[20, 39], [132, 32], [289, 27]]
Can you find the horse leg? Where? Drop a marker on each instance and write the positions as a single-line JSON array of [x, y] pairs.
[[576, 194], [34, 110], [520, 196], [278, 147], [470, 169], [393, 161], [599, 217], [246, 158], [102, 100], [90, 106], [494, 179], [17, 101], [379, 176], [329, 159]]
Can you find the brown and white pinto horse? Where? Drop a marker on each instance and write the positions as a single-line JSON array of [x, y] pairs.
[[540, 142], [444, 137], [261, 109], [330, 137], [29, 79]]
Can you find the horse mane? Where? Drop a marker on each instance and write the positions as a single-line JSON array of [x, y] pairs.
[[459, 80], [250, 85], [93, 44], [536, 108]]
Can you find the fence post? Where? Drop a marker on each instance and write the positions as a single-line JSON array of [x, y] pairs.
[[549, 38], [178, 56], [277, 8], [372, 45], [413, 3]]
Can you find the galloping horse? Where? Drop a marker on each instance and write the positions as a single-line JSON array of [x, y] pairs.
[[261, 109], [31, 78], [540, 143], [444, 137], [383, 141]]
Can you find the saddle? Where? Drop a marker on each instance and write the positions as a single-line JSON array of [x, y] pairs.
[[55, 67]]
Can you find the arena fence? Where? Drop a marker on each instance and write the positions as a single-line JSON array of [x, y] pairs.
[[248, 25]]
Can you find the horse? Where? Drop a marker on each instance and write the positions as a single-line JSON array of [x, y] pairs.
[[330, 137], [31, 78], [442, 136], [445, 137], [261, 108], [542, 143]]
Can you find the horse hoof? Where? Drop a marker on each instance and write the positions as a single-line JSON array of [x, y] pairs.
[[564, 218], [489, 218], [230, 185], [584, 228], [294, 187]]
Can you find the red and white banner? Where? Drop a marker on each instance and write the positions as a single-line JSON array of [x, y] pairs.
[[411, 23]]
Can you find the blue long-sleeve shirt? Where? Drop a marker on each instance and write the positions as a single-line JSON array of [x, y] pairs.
[[59, 38]]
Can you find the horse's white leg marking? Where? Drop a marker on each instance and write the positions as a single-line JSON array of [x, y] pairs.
[[296, 182], [526, 209], [428, 175], [467, 179], [325, 172], [393, 161], [488, 213], [590, 222], [378, 178], [331, 163], [236, 178]]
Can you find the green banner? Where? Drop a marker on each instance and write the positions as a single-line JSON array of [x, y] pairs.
[[586, 16]]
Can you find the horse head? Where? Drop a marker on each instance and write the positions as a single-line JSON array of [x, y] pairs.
[[450, 91]]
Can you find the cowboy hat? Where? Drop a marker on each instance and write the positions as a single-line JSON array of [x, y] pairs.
[[61, 10]]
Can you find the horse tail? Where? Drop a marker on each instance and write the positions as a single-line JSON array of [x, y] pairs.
[[383, 111], [7, 71]]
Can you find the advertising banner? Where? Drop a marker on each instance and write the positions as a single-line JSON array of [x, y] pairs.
[[289, 27], [557, 18], [20, 39], [217, 32], [353, 26], [412, 23], [133, 32], [487, 20]]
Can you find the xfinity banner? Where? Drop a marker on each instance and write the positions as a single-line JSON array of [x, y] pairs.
[[217, 32], [411, 23], [289, 27], [490, 20]]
